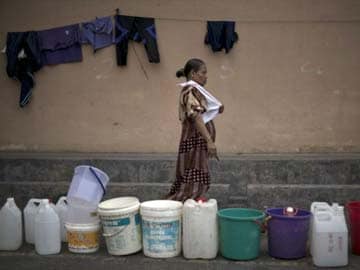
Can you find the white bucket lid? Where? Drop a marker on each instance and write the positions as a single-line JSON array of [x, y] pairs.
[[82, 227], [161, 205], [120, 205], [116, 203]]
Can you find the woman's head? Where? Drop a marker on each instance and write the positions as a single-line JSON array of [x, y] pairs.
[[195, 69]]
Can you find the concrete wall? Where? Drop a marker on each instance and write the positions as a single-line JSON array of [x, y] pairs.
[[291, 83], [249, 180]]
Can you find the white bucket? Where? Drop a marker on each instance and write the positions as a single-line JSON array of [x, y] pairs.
[[121, 225], [83, 238], [161, 227], [88, 184]]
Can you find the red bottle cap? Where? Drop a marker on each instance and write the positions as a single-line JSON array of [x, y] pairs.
[[201, 200]]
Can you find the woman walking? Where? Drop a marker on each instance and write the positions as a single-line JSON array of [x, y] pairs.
[[197, 108]]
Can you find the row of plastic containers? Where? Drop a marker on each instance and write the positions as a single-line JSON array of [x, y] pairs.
[[163, 228], [46, 224], [43, 224], [289, 230]]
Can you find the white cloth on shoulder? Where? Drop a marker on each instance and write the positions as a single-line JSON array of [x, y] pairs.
[[213, 104]]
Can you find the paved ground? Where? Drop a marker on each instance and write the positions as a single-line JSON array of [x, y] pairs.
[[26, 258]]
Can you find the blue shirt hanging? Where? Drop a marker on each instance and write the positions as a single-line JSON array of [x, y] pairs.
[[98, 32], [61, 44]]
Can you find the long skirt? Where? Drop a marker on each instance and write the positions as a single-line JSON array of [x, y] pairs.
[[192, 169]]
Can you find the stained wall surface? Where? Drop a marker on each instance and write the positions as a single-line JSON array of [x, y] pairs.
[[291, 83]]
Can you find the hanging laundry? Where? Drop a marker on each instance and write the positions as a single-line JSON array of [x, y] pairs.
[[221, 35], [98, 32], [23, 60], [61, 45], [139, 29]]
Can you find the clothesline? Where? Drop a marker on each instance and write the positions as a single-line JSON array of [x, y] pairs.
[[240, 21], [244, 21], [248, 21], [256, 21]]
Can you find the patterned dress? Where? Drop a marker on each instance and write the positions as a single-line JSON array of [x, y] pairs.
[[192, 170]]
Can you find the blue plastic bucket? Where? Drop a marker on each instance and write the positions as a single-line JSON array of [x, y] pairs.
[[287, 234]]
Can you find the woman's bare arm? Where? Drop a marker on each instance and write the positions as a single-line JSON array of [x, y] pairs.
[[200, 126]]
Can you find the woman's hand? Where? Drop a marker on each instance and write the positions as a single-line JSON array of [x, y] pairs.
[[212, 150], [221, 109]]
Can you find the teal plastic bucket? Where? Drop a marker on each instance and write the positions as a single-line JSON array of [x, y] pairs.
[[240, 231]]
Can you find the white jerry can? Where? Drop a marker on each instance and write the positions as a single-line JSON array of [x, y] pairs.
[[30, 211], [10, 226], [329, 235], [61, 209], [47, 230], [315, 206], [200, 230]]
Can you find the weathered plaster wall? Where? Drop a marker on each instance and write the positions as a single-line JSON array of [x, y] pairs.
[[291, 83]]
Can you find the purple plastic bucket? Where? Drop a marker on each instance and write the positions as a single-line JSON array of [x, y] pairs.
[[287, 235]]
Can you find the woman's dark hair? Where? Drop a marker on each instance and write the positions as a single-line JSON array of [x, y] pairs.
[[192, 64]]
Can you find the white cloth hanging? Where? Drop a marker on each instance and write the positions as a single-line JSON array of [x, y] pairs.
[[213, 105]]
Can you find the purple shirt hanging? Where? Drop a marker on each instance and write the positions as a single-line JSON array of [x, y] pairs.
[[98, 32], [61, 45]]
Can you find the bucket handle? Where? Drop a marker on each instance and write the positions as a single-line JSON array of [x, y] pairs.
[[97, 178], [114, 233], [262, 225]]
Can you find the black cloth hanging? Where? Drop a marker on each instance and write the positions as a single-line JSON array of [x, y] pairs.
[[23, 60], [221, 35], [140, 29]]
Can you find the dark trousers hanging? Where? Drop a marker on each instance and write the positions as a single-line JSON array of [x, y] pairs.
[[221, 35], [23, 68], [139, 29]]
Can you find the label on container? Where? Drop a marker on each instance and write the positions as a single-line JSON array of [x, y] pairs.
[[335, 242], [83, 240], [123, 233], [159, 237], [116, 222]]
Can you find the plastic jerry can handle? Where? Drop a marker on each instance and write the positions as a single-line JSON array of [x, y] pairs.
[[62, 201]]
